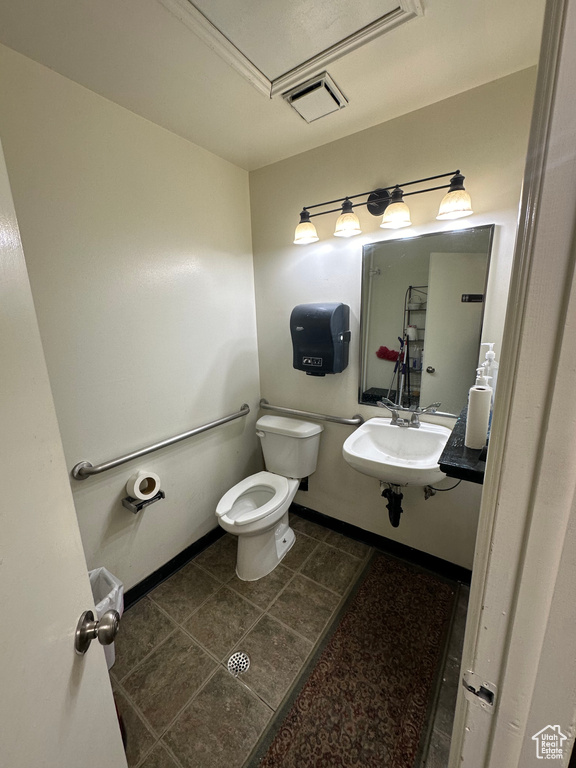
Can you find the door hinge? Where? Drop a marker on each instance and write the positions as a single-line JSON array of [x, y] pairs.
[[479, 691]]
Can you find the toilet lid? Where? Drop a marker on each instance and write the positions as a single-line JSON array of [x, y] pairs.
[[278, 485]]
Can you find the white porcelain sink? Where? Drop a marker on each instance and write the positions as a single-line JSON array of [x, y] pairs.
[[398, 455]]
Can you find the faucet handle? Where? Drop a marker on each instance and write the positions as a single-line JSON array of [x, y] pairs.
[[392, 407], [386, 403], [432, 408]]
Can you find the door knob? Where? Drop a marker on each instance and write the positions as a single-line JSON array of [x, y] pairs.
[[105, 630], [430, 369]]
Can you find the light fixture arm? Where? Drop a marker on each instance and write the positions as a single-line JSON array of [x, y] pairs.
[[429, 189]]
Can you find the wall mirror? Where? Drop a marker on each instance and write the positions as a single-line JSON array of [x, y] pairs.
[[422, 310]]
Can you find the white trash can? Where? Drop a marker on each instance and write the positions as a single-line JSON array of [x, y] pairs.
[[108, 594]]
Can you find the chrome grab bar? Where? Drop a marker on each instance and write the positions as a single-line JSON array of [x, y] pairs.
[[85, 469], [353, 422]]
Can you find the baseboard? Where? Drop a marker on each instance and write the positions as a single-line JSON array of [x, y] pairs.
[[168, 569], [423, 559]]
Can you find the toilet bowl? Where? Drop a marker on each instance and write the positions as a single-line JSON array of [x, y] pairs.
[[256, 508]]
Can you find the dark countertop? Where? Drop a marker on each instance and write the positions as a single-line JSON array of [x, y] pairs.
[[458, 461]]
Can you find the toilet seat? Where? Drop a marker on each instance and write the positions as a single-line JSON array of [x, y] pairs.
[[278, 486]]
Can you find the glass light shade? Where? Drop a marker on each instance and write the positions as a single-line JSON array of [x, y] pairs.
[[347, 225], [396, 216], [455, 205], [305, 233]]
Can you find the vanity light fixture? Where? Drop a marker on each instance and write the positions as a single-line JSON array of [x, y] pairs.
[[387, 202]]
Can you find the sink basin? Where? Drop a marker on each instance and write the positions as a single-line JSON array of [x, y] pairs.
[[398, 455]]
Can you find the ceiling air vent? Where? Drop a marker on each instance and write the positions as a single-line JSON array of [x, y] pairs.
[[316, 98]]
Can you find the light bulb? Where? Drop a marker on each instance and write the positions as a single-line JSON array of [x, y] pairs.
[[347, 224], [397, 214], [456, 203], [305, 231]]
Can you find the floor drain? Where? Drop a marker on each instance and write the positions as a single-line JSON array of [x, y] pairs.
[[238, 663]]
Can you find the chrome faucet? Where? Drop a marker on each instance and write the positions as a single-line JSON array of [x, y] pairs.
[[395, 411], [414, 420]]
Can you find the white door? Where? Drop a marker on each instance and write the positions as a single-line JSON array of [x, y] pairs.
[[521, 629], [56, 708], [452, 329]]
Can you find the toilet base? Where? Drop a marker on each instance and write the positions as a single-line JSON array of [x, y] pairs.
[[260, 553]]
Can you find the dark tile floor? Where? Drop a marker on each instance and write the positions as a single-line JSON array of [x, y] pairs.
[[180, 705], [438, 750]]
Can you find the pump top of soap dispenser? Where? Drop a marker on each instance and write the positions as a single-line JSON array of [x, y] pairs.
[[490, 364], [481, 379], [490, 354]]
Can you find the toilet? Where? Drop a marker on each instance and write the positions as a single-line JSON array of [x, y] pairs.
[[256, 509]]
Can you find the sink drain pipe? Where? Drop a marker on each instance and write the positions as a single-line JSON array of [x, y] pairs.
[[394, 505], [392, 493]]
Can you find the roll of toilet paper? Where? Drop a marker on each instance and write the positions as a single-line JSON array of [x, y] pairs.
[[412, 332], [478, 417], [143, 485]]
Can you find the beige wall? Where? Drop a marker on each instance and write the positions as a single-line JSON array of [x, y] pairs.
[[44, 587], [484, 133], [139, 252]]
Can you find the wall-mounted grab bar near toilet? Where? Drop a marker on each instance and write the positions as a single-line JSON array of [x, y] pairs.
[[353, 422], [85, 469]]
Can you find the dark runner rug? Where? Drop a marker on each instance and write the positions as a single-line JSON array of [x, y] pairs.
[[364, 701]]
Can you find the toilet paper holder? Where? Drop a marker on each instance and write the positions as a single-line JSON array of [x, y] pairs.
[[137, 505]]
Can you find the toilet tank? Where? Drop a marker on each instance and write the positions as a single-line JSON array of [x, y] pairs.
[[290, 446]]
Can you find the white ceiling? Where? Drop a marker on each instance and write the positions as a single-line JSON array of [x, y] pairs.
[[140, 54], [306, 28]]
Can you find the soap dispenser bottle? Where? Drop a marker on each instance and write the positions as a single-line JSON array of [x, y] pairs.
[[479, 406], [490, 365]]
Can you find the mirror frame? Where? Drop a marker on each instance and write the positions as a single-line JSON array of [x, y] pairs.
[[490, 228]]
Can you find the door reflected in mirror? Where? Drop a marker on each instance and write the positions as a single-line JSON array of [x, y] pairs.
[[422, 309]]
